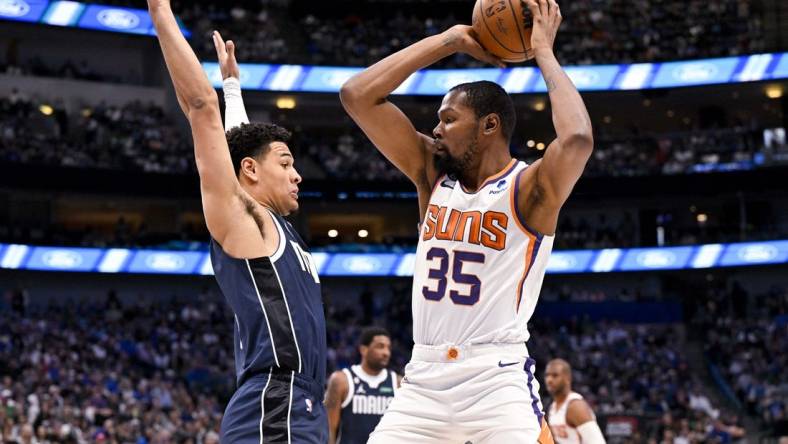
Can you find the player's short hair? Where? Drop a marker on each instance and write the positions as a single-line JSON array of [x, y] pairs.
[[369, 333], [485, 97], [253, 139]]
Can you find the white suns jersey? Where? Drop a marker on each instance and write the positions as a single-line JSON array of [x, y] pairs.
[[562, 433], [478, 268]]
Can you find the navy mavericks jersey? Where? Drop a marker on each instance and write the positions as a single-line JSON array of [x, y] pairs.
[[367, 400], [278, 307]]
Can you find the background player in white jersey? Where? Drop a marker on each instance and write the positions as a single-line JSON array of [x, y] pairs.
[[486, 234], [570, 417], [358, 396]]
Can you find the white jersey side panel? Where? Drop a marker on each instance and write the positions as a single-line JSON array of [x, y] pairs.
[[478, 269], [562, 433]]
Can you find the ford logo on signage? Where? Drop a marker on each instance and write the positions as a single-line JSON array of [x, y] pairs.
[[559, 262], [62, 259], [14, 8], [758, 253], [361, 264], [165, 262], [450, 80], [583, 77], [695, 72], [118, 19], [656, 259]]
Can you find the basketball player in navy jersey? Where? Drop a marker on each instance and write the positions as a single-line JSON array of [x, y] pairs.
[[248, 182], [357, 397]]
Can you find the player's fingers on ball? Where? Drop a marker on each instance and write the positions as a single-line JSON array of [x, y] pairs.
[[544, 10], [534, 7], [553, 8]]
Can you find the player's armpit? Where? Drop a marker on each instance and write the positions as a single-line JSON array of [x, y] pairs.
[[336, 392], [392, 133]]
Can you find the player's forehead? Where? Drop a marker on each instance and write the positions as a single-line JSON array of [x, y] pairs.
[[453, 101], [381, 339], [554, 368], [280, 150]]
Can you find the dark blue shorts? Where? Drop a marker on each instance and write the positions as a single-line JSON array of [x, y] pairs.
[[276, 408]]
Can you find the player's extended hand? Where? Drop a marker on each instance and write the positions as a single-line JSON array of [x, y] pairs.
[[154, 5], [463, 39], [226, 54], [547, 19]]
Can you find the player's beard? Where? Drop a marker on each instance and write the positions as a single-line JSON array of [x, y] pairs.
[[454, 167]]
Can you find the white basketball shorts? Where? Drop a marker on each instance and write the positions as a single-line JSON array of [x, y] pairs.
[[466, 394]]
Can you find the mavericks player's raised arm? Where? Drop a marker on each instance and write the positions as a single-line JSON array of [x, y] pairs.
[[365, 98], [335, 395], [555, 175], [219, 187]]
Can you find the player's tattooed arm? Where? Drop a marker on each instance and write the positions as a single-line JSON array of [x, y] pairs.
[[566, 157], [335, 394]]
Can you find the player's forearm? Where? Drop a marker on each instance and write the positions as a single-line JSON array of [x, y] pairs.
[[570, 117], [190, 82], [378, 81]]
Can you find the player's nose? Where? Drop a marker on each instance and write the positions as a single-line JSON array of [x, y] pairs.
[[437, 132]]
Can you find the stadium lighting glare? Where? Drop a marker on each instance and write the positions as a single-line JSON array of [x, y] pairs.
[[285, 103], [333, 233], [530, 144], [608, 119], [540, 146], [702, 218], [774, 91], [46, 110], [363, 233], [539, 105]]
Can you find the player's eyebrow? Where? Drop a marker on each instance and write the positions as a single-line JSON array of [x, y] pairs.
[[445, 110], [286, 155]]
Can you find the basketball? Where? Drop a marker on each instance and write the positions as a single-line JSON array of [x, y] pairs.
[[503, 28]]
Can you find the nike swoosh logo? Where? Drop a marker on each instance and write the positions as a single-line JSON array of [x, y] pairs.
[[447, 184], [501, 364]]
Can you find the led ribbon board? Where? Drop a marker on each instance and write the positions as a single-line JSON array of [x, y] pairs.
[[123, 260], [517, 80], [81, 15]]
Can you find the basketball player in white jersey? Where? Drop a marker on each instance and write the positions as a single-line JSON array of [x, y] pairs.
[[570, 417], [488, 223]]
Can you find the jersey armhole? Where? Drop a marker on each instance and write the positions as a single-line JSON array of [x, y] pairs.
[[515, 208], [280, 248], [350, 388]]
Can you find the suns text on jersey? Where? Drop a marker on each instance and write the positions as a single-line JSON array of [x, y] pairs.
[[475, 227]]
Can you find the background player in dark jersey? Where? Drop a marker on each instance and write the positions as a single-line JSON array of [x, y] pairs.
[[357, 397], [247, 183]]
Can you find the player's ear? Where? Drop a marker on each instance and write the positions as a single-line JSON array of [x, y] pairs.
[[249, 169], [491, 123]]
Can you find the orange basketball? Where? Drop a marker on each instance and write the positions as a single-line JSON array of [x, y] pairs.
[[504, 28]]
